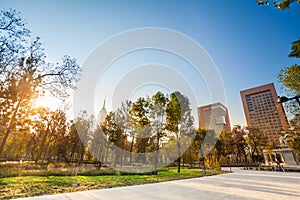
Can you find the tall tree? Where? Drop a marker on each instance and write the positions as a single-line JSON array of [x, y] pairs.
[[198, 144], [227, 146], [178, 118], [75, 144], [48, 132], [98, 145], [256, 143], [239, 144], [124, 121], [24, 73], [115, 135], [158, 118], [140, 116]]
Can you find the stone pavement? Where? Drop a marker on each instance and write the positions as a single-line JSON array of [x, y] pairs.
[[241, 184]]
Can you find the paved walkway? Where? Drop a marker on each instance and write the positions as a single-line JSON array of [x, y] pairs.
[[242, 184]]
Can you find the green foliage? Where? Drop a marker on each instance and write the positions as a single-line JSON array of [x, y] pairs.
[[289, 77], [294, 134], [295, 49], [140, 115], [290, 80], [270, 146], [282, 4], [159, 101], [256, 143], [178, 111], [140, 110], [112, 129], [295, 145], [174, 113], [241, 146]]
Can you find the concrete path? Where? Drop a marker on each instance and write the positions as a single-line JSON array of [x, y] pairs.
[[241, 184]]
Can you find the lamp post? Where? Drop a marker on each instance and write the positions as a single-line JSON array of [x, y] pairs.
[[230, 155], [281, 100], [285, 99], [178, 147]]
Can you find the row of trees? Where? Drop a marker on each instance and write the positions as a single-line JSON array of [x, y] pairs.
[[46, 137], [149, 132], [239, 146], [146, 125]]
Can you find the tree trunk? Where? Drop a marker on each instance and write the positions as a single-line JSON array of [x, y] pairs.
[[42, 144], [106, 153], [8, 130], [156, 154], [131, 148], [178, 151]]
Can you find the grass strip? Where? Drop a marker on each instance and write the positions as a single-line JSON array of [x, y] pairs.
[[25, 186]]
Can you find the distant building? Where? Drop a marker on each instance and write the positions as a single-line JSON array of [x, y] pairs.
[[214, 117], [263, 112], [102, 114]]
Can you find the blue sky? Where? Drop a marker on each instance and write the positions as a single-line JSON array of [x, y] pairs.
[[249, 44]]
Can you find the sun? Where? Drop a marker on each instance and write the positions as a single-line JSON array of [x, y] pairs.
[[48, 102]]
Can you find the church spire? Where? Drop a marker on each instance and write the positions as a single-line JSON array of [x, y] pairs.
[[104, 103], [102, 113]]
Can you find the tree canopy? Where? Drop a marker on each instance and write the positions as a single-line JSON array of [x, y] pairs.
[[289, 77], [25, 74]]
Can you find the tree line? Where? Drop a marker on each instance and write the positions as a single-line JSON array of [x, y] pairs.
[[149, 131]]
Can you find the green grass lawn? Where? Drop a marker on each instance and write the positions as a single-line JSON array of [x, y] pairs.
[[23, 186]]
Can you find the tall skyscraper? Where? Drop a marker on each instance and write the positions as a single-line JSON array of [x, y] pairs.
[[214, 117], [102, 114], [262, 111]]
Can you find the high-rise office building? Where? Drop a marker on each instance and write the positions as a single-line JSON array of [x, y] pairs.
[[262, 111], [214, 117]]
